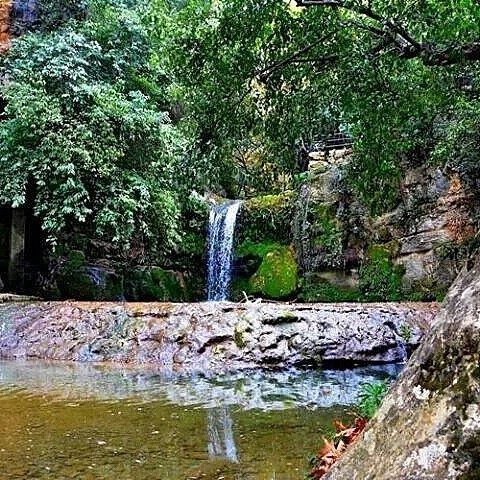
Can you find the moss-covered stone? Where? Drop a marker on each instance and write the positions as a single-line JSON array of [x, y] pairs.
[[277, 276], [80, 281], [155, 284], [267, 217]]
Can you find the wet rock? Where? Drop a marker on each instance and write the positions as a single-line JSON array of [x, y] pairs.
[[213, 336], [429, 424]]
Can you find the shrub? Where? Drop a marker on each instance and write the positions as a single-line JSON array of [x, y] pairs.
[[380, 279]]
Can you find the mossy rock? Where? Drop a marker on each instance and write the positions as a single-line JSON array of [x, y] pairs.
[[155, 284], [277, 276], [320, 290], [80, 281], [267, 217]]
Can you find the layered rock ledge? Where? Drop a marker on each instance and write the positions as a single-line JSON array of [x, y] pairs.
[[213, 336]]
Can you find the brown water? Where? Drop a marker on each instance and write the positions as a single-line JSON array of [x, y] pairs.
[[63, 421]]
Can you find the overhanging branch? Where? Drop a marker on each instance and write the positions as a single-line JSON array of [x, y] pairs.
[[406, 46]]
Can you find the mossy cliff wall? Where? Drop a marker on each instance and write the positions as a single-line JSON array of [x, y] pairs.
[[343, 253]]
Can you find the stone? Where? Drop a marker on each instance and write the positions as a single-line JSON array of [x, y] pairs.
[[212, 336], [277, 276], [154, 283], [424, 241], [428, 426]]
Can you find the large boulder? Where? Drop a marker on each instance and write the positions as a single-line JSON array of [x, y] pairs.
[[277, 276], [80, 280], [429, 424]]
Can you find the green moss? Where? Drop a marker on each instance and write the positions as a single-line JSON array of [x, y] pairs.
[[239, 339], [155, 284], [380, 279], [329, 233], [277, 276], [324, 230], [260, 249], [267, 217], [323, 291]]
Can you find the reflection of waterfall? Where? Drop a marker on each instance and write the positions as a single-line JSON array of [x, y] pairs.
[[221, 443], [220, 249]]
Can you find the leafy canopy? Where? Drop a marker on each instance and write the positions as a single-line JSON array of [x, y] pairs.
[[85, 130]]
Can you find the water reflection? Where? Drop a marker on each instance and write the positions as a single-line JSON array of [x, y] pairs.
[[221, 443], [252, 390], [67, 421]]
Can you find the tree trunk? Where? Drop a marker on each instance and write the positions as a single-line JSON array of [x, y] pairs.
[[429, 424]]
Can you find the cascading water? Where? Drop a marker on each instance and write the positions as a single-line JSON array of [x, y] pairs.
[[221, 230]]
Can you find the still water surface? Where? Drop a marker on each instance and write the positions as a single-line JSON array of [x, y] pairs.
[[69, 421]]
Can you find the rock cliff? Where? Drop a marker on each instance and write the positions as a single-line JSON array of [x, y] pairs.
[[429, 424]]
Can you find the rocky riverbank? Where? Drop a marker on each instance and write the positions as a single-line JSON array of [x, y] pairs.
[[213, 336]]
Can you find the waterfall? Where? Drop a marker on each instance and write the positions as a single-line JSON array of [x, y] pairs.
[[221, 230]]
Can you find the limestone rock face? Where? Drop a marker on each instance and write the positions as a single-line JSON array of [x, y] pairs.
[[429, 424], [437, 211], [213, 336]]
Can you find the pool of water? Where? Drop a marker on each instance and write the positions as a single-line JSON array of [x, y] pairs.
[[71, 421]]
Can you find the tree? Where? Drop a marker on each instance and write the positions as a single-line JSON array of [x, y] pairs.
[[259, 81], [86, 127]]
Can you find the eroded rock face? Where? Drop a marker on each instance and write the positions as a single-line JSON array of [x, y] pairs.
[[429, 425], [213, 336]]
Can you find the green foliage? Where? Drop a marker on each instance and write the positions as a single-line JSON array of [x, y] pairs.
[[117, 111], [324, 291], [80, 132], [370, 398], [155, 284], [263, 79], [52, 14], [406, 331], [74, 281], [380, 279], [268, 217], [328, 233]]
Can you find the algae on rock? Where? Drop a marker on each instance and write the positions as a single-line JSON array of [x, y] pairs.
[[277, 276]]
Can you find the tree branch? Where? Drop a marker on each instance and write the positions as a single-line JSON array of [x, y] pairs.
[[294, 58], [406, 45]]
